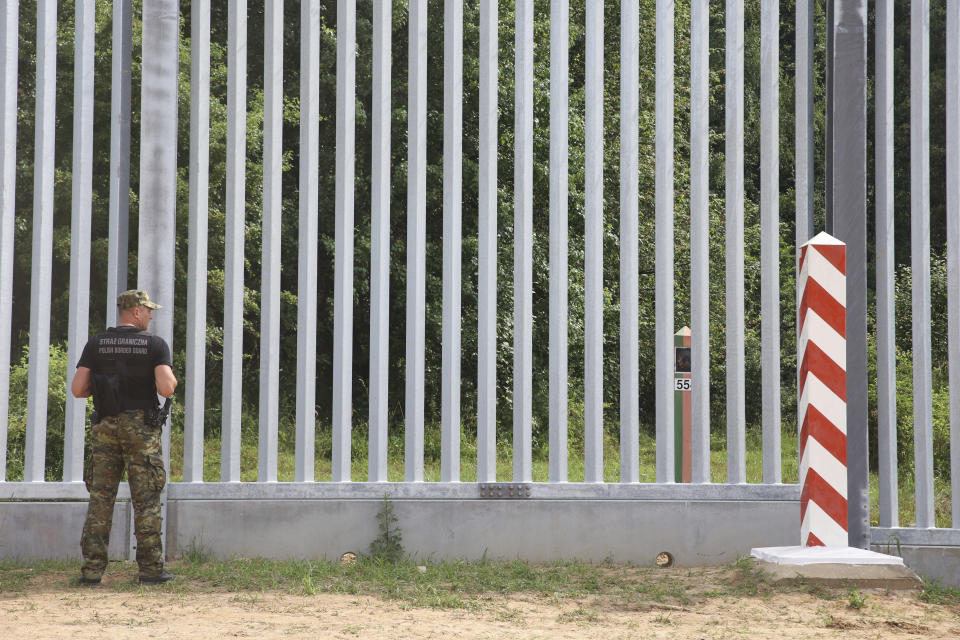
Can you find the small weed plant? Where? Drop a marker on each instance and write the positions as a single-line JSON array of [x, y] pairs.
[[893, 542], [748, 578], [935, 593], [387, 546], [309, 588], [856, 600], [196, 553]]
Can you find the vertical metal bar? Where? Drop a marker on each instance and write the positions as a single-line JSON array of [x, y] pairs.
[[158, 160], [803, 136], [848, 194], [117, 262], [770, 237], [559, 123], [9, 45], [194, 392], [920, 258], [81, 214], [828, 124], [700, 236], [886, 348], [41, 271], [380, 241], [307, 244], [736, 420], [452, 242], [233, 240], [487, 249], [270, 261], [953, 246], [158, 179], [416, 239], [343, 262], [664, 242], [523, 245], [629, 242], [593, 248], [803, 123]]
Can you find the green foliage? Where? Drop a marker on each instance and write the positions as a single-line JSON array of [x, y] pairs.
[[387, 546], [905, 417], [935, 593], [56, 403], [904, 317], [856, 600]]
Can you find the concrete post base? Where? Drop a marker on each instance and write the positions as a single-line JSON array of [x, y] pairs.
[[836, 566]]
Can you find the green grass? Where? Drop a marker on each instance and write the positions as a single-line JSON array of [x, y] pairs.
[[442, 585], [468, 457], [575, 458], [457, 585], [906, 501], [15, 575], [934, 593]]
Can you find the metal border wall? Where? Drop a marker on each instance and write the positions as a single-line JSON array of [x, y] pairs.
[[157, 199]]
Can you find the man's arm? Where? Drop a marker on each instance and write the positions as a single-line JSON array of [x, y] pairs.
[[165, 380], [80, 387]]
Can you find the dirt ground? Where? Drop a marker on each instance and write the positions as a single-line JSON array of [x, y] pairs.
[[52, 606]]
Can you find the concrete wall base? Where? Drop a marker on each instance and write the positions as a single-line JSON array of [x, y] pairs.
[[693, 532], [931, 562], [51, 530]]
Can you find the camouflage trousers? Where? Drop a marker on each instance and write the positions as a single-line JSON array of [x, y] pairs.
[[118, 442]]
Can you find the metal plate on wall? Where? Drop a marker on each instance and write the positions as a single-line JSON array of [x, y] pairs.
[[505, 491]]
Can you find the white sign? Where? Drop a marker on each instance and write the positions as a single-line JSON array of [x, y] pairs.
[[682, 384]]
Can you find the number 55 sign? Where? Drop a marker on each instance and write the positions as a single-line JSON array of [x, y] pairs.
[[682, 383]]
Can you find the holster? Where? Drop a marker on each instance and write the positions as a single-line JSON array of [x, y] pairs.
[[156, 416]]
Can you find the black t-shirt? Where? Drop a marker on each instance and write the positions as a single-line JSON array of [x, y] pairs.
[[139, 352]]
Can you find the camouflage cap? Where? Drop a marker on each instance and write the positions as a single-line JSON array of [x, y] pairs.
[[135, 298]]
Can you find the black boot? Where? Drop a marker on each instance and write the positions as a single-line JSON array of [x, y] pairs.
[[157, 579]]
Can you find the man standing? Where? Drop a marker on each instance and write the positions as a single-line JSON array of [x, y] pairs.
[[124, 369]]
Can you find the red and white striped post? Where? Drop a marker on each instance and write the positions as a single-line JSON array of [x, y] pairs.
[[822, 408]]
